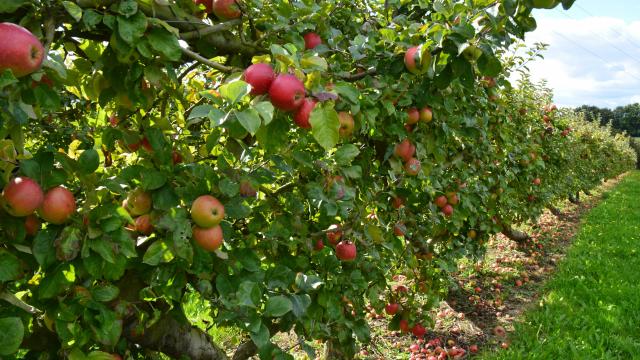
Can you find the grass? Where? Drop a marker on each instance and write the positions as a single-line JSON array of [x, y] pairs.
[[591, 307]]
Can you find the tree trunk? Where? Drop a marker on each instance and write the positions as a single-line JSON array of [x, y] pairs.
[[587, 192], [515, 235], [554, 210], [572, 199], [331, 352]]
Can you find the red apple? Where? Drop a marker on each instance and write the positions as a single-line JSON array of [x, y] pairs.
[[404, 326], [146, 144], [176, 157], [536, 181], [58, 205], [489, 82], [113, 120], [399, 229], [392, 308], [311, 40], [410, 58], [397, 202], [246, 189], [20, 51], [413, 116], [208, 5], [405, 150], [259, 76], [419, 330], [499, 331], [447, 210], [301, 117], [473, 348], [426, 114], [31, 225], [287, 92], [346, 250], [441, 201], [319, 245], [144, 225], [207, 211], [412, 167], [346, 124], [226, 9], [334, 233], [209, 239], [22, 196], [138, 202]]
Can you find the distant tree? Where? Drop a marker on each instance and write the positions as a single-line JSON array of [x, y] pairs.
[[623, 118]]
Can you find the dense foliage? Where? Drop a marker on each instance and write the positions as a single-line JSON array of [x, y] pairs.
[[141, 108], [622, 118]]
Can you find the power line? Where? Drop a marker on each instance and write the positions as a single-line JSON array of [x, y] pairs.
[[612, 29]]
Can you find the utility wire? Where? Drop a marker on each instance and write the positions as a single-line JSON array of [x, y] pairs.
[[612, 29]]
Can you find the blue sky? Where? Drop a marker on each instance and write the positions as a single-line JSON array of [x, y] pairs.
[[594, 53]]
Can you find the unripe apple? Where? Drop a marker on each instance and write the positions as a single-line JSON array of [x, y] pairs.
[[346, 124], [392, 308], [412, 167], [441, 201], [405, 150], [226, 9], [426, 114], [301, 118], [287, 92], [413, 116], [545, 4], [447, 210], [20, 51], [472, 234], [144, 225], [471, 53], [207, 211], [22, 196], [138, 202], [259, 76], [311, 40], [32, 225], [58, 205], [209, 239], [346, 250]]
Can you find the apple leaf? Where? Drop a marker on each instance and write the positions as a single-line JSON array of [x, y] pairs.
[[89, 161], [261, 337], [165, 43], [325, 125], [9, 6], [10, 268], [265, 109], [74, 10], [234, 91], [489, 65], [131, 29], [311, 63], [346, 154], [300, 304], [249, 119], [277, 306], [11, 334], [348, 91]]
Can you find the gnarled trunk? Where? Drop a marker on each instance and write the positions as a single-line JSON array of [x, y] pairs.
[[515, 235], [554, 210]]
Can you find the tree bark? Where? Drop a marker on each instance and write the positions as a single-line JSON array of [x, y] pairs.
[[554, 210], [515, 235]]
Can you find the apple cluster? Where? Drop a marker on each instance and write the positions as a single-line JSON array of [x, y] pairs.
[[207, 212], [345, 250], [447, 202], [23, 197], [139, 203]]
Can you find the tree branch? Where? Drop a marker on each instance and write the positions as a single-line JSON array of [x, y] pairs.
[[515, 235], [208, 62], [199, 33], [13, 300]]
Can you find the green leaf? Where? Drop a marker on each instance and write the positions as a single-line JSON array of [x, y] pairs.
[[131, 29], [234, 91], [9, 266], [7, 78], [265, 109], [489, 65], [9, 6], [165, 43], [314, 63], [11, 334], [200, 111], [128, 7], [348, 91], [74, 10], [249, 294], [300, 304], [346, 154], [325, 125], [250, 120], [156, 253], [229, 187], [277, 306], [261, 337], [152, 179], [89, 161], [43, 249], [105, 293], [57, 282]]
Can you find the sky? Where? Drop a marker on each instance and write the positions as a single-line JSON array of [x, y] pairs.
[[594, 52]]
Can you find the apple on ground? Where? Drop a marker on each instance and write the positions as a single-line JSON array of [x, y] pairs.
[[287, 92], [226, 9], [20, 51], [209, 239], [472, 234], [311, 40], [138, 202], [207, 211], [346, 250], [22, 196], [259, 76], [346, 124], [301, 118], [58, 205]]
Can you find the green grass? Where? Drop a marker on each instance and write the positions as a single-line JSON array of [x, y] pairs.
[[591, 307]]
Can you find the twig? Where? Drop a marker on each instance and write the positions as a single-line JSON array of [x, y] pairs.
[[208, 62], [13, 300], [210, 29]]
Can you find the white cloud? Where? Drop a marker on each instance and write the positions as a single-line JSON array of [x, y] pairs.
[[593, 61]]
